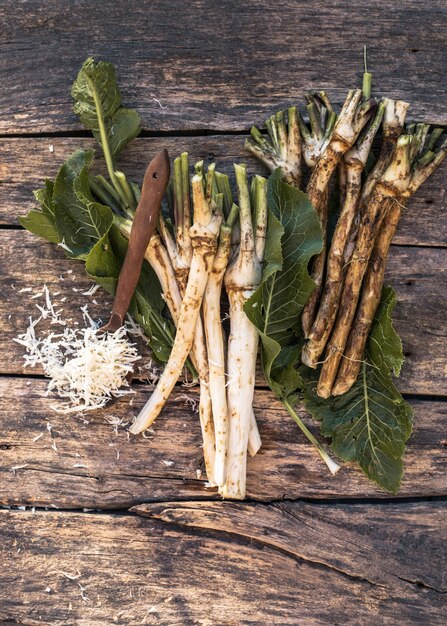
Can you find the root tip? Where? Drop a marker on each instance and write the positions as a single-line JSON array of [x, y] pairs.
[[323, 392], [307, 359], [339, 390]]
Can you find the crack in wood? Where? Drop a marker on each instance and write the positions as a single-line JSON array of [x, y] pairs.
[[424, 585], [251, 539]]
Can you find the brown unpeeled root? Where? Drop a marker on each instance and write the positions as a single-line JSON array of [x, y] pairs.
[[371, 292], [317, 271], [354, 163], [322, 311], [352, 118], [393, 183], [372, 289], [392, 127]]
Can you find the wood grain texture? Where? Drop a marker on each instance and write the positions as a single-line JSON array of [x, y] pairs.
[[91, 464], [25, 163], [209, 65], [417, 274], [313, 568], [182, 557], [360, 539]]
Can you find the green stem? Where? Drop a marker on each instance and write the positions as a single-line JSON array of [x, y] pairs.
[[123, 224], [367, 78], [367, 84], [330, 123], [108, 187], [186, 196], [232, 216], [178, 198], [209, 182], [426, 158], [282, 134], [105, 142], [136, 191], [314, 120], [198, 168], [219, 202], [258, 190], [332, 465], [273, 132], [435, 134], [223, 186], [126, 189], [305, 134], [103, 195], [261, 140]]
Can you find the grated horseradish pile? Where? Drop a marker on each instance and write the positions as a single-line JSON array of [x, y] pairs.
[[85, 367]]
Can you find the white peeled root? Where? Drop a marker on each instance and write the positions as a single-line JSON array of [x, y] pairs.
[[203, 234], [242, 353], [242, 279], [216, 361]]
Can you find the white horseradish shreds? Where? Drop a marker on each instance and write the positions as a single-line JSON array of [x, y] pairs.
[[85, 367]]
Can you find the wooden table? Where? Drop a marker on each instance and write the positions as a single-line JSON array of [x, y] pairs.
[[99, 529]]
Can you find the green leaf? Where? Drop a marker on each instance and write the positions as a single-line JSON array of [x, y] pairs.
[[103, 264], [80, 221], [96, 95], [285, 375], [42, 223], [44, 197], [95, 82], [293, 237], [273, 253], [384, 344], [122, 127], [371, 423]]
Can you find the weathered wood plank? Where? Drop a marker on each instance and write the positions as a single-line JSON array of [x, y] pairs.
[[94, 465], [25, 163], [188, 67], [418, 275], [67, 568], [360, 538]]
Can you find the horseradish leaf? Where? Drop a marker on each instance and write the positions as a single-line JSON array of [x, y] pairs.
[[80, 221], [97, 102], [42, 223], [293, 237], [371, 423]]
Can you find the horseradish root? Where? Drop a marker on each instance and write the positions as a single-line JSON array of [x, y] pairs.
[[241, 280], [393, 182], [426, 162], [203, 235], [354, 163], [352, 118]]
